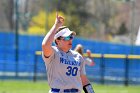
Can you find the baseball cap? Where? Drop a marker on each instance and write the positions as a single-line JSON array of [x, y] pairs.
[[64, 33]]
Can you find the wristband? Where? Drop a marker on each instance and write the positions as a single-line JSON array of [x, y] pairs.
[[88, 88]]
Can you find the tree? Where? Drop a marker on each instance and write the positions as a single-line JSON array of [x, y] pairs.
[[6, 16], [122, 29], [74, 7], [42, 22]]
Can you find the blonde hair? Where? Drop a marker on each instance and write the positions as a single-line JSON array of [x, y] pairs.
[[79, 49]]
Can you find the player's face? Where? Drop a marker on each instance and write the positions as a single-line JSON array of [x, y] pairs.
[[65, 43]]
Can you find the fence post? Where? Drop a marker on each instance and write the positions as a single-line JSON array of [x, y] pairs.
[[17, 37], [126, 71], [35, 68], [102, 68]]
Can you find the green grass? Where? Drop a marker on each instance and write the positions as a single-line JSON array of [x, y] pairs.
[[23, 87], [42, 87]]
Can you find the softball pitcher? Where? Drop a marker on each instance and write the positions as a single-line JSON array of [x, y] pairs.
[[65, 67]]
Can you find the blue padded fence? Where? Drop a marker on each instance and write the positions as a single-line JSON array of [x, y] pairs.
[[29, 44]]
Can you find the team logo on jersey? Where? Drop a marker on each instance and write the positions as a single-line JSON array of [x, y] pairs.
[[69, 62]]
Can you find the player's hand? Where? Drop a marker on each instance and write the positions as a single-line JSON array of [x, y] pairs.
[[59, 21], [88, 53]]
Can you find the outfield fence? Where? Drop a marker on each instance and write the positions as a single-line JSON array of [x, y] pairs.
[[108, 69], [114, 64]]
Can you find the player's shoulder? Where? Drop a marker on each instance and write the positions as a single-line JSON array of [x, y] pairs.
[[76, 53], [55, 48], [73, 52]]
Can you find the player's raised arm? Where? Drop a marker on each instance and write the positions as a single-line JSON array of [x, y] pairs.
[[88, 53], [48, 39], [89, 59]]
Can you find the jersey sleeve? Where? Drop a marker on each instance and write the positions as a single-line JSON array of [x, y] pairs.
[[48, 59]]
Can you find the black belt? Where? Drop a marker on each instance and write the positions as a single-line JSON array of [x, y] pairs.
[[65, 90]]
